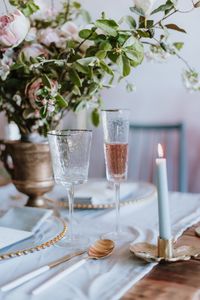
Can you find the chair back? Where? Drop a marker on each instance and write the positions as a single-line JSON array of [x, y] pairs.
[[144, 139]]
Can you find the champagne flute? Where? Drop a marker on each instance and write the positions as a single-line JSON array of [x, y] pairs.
[[116, 131], [70, 152]]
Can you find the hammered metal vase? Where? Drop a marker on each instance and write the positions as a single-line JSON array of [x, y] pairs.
[[29, 166]]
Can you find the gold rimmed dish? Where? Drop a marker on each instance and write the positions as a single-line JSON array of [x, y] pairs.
[[141, 192], [51, 232]]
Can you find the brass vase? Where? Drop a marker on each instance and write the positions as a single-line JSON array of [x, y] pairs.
[[29, 166]]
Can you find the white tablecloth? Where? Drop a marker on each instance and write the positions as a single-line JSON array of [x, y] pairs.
[[106, 279]]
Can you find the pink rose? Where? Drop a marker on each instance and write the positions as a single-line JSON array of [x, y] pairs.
[[31, 35], [48, 36], [69, 30], [47, 10], [13, 29], [34, 50], [33, 88]]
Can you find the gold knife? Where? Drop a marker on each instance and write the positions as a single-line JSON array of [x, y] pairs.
[[19, 281]]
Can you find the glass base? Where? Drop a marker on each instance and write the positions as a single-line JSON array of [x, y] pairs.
[[77, 242], [117, 236]]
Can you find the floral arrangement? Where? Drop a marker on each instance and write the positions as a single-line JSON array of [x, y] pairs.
[[49, 64]]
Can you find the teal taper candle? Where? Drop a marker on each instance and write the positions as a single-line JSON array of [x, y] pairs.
[[163, 199]]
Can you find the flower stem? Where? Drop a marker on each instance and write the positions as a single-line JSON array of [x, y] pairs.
[[167, 16], [81, 43], [184, 61], [67, 10], [178, 55], [52, 7]]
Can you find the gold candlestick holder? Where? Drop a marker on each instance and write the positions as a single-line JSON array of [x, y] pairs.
[[197, 231], [165, 250]]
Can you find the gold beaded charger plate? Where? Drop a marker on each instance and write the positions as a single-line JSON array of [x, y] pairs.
[[51, 231], [138, 192]]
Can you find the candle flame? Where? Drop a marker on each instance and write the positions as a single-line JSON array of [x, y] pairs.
[[160, 151]]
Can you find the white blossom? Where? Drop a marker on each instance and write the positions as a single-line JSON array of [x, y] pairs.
[[144, 5], [5, 64], [50, 108], [157, 54], [69, 30], [31, 35], [18, 99], [191, 80]]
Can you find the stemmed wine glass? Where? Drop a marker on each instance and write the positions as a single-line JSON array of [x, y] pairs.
[[116, 131], [70, 152]]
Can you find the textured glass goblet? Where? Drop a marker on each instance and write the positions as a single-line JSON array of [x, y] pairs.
[[116, 132], [70, 152]]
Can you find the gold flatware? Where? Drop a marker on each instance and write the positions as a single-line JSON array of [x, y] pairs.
[[100, 249], [19, 281]]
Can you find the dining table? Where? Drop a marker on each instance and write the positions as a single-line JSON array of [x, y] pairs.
[[122, 275], [180, 280]]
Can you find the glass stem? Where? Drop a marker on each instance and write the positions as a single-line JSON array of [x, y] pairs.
[[70, 194], [117, 205]]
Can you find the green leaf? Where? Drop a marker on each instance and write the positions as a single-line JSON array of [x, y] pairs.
[[120, 63], [178, 45], [76, 91], [144, 23], [150, 23], [80, 68], [46, 81], [135, 56], [164, 46], [86, 16], [124, 65], [75, 77], [95, 117], [88, 61], [105, 46], [93, 88], [129, 20], [88, 34], [143, 33], [17, 66], [130, 87], [137, 11], [134, 50], [110, 27], [122, 38], [80, 106], [163, 7], [62, 103], [77, 5], [106, 68], [175, 27], [197, 4], [43, 111], [30, 8], [130, 42], [101, 54], [28, 113]]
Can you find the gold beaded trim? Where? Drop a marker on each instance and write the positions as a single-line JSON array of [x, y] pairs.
[[100, 206], [40, 247]]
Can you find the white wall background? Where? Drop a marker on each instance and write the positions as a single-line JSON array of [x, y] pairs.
[[160, 94]]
